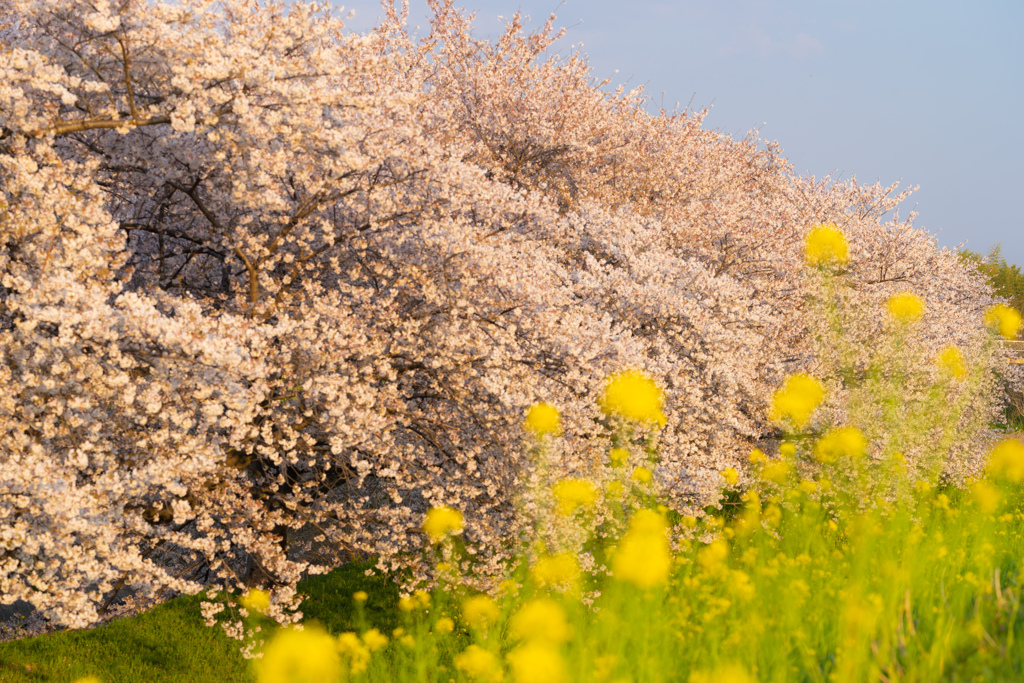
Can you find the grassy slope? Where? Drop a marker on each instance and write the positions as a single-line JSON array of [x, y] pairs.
[[170, 644]]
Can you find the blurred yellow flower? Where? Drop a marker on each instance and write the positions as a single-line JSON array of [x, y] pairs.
[[613, 489], [797, 399], [730, 673], [375, 640], [537, 662], [642, 475], [986, 496], [556, 570], [360, 596], [480, 611], [634, 396], [826, 245], [440, 521], [543, 418], [541, 620], [256, 601], [840, 441], [354, 652], [757, 457], [951, 361], [309, 655], [87, 679], [1006, 461], [1003, 319], [905, 307], [643, 556], [730, 475], [573, 494], [444, 625], [479, 665], [712, 556], [618, 457], [777, 471]]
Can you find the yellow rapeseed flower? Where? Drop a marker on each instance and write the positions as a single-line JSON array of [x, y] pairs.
[[354, 652], [543, 418], [826, 245], [618, 457], [777, 471], [360, 596], [643, 556], [905, 307], [556, 570], [951, 361], [375, 640], [480, 611], [256, 601], [712, 556], [444, 625], [730, 475], [441, 521], [798, 398], [541, 620], [634, 396], [757, 457], [479, 665], [573, 494], [1004, 319], [840, 441], [537, 662], [294, 656], [730, 673], [1006, 461], [986, 496], [88, 679], [642, 475]]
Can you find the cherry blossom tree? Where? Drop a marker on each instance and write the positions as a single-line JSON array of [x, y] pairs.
[[262, 275]]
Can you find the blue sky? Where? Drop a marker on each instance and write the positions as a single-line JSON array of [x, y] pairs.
[[929, 93]]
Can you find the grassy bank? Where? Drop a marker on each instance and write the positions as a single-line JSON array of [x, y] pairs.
[[170, 644]]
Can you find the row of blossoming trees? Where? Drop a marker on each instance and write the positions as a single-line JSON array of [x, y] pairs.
[[261, 274]]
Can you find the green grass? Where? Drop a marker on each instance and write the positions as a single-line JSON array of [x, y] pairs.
[[171, 644]]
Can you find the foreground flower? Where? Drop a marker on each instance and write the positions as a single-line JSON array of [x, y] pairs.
[[540, 620], [950, 360], [537, 662], [256, 601], [730, 475], [543, 418], [480, 611], [479, 665], [826, 245], [839, 442], [441, 521], [573, 494], [905, 307], [634, 396], [562, 569], [1004, 320], [797, 399], [354, 651], [1006, 461], [294, 656], [730, 673], [643, 556]]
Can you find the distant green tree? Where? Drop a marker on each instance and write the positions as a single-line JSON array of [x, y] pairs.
[[1007, 279]]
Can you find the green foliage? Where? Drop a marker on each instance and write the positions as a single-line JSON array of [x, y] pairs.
[[1007, 279]]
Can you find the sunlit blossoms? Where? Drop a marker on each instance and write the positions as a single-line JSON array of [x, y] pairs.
[[262, 274]]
